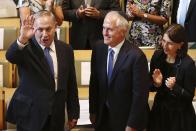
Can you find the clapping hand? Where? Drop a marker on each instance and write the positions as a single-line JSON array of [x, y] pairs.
[[134, 9], [157, 77], [27, 29], [170, 82], [80, 12], [92, 12]]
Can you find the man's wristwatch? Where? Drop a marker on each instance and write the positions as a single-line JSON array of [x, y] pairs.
[[145, 15]]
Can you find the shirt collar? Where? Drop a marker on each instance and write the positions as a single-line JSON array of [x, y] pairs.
[[117, 48], [52, 46]]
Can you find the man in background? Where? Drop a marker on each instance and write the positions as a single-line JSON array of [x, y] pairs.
[[86, 17], [184, 13], [118, 92], [47, 78]]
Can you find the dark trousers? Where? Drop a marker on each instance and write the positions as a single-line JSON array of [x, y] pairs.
[[52, 125], [47, 125], [105, 122], [19, 128]]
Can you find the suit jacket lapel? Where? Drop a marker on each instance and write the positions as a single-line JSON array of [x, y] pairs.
[[191, 6], [59, 60], [41, 58], [121, 58]]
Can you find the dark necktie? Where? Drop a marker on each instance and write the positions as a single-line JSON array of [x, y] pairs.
[[49, 59], [110, 64]]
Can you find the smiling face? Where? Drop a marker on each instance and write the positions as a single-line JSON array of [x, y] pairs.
[[45, 30], [170, 48], [112, 33]]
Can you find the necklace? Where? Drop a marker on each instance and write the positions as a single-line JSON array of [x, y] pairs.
[[170, 60]]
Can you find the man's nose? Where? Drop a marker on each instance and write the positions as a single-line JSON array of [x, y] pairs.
[[105, 32], [44, 33]]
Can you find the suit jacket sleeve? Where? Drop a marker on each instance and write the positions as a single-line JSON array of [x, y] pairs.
[[156, 58], [139, 109], [14, 54], [73, 107], [93, 87], [186, 89]]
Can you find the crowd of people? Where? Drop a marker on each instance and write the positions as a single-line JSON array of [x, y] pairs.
[[120, 79], [148, 18]]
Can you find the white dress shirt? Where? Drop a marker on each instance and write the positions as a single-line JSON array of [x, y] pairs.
[[116, 50], [182, 11]]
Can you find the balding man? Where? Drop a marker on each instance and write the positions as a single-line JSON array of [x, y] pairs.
[[47, 78]]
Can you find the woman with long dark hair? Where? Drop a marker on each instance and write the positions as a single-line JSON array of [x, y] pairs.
[[173, 75]]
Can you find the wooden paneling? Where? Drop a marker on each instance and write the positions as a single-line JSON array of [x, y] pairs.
[[2, 103], [10, 22], [85, 55], [4, 100], [8, 71]]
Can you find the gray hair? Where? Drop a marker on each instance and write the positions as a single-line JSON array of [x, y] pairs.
[[43, 13], [120, 20]]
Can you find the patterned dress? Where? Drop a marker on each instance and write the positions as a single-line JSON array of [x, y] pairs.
[[143, 32], [35, 5]]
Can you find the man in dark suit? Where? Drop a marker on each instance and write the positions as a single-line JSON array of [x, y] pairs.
[[87, 19], [118, 92], [184, 13], [47, 78]]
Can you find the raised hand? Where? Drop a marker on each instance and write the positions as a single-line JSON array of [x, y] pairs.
[[134, 9], [157, 77], [27, 29]]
